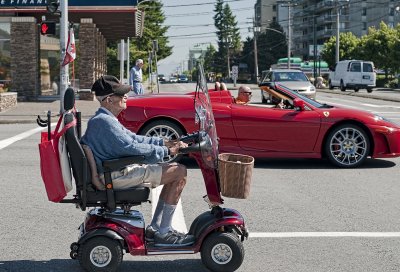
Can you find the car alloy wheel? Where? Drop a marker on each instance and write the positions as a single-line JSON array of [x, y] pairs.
[[347, 146], [164, 129]]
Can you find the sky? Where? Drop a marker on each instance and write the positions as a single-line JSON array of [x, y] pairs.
[[191, 22]]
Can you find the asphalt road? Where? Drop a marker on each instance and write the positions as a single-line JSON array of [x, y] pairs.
[[289, 201]]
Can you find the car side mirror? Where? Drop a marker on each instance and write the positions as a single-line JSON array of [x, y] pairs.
[[298, 104]]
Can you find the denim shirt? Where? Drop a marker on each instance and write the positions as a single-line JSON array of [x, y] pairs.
[[135, 75], [109, 139]]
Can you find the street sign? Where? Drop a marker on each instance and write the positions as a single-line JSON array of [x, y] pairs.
[[235, 72]]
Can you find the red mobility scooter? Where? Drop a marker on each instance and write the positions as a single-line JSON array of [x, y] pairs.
[[112, 227]]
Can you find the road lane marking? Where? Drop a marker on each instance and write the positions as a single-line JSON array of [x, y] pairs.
[[178, 220], [26, 134], [323, 234]]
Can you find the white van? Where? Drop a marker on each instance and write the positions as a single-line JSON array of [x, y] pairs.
[[353, 74]]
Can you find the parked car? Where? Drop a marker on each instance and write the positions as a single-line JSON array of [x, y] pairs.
[[173, 79], [161, 78], [304, 128], [353, 74], [290, 78], [183, 79]]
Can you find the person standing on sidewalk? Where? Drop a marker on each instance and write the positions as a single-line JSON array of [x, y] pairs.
[[136, 78]]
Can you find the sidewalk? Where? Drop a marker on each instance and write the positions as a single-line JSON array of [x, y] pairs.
[[27, 112]]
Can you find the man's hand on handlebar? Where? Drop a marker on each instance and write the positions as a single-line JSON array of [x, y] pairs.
[[174, 146]]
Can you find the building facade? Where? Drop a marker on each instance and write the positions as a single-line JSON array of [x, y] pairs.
[[313, 22], [30, 62]]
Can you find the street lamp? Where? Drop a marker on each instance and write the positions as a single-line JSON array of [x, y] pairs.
[[228, 41], [338, 8]]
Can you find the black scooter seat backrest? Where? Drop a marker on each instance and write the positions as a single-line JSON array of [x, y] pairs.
[[76, 154]]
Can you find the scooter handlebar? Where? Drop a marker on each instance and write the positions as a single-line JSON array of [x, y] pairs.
[[196, 147]]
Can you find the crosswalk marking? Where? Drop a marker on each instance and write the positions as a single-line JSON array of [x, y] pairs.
[[323, 234]]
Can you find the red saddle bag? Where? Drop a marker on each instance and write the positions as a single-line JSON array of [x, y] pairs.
[[50, 167]]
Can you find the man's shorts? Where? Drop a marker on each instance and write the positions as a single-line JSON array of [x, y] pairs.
[[148, 175]]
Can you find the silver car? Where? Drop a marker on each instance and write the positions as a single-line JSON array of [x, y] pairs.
[[290, 78]]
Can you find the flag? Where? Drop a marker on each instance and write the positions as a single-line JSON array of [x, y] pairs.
[[70, 53]]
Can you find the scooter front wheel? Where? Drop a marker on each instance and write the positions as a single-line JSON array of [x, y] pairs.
[[100, 254], [222, 251]]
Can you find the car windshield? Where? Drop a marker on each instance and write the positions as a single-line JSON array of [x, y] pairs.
[[289, 76], [305, 98]]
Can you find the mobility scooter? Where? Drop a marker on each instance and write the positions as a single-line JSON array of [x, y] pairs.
[[112, 227]]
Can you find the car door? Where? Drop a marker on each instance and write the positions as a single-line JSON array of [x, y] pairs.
[[355, 73], [275, 130], [368, 76]]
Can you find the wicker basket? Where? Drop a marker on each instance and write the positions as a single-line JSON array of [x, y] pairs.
[[235, 174]]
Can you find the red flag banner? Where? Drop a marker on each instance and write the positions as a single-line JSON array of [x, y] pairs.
[[70, 53]]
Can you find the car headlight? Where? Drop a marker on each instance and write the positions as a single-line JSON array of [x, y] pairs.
[[312, 89]]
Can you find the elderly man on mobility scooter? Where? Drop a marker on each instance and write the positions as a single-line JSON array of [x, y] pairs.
[[109, 139]]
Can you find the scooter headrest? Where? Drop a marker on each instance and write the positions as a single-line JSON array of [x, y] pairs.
[[69, 99]]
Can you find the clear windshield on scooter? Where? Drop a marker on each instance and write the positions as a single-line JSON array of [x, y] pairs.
[[205, 118]]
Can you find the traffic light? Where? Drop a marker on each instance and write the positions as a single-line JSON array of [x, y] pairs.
[[48, 28], [52, 6]]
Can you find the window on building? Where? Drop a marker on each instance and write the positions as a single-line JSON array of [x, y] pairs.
[[364, 26], [391, 11], [273, 7], [364, 12], [5, 56]]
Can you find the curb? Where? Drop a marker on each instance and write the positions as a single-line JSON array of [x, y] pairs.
[[367, 95]]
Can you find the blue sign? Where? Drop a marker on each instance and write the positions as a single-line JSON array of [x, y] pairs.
[[71, 3]]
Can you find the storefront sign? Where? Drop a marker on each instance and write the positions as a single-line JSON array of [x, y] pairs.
[[71, 3]]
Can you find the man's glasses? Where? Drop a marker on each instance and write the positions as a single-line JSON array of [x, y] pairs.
[[119, 95], [249, 93]]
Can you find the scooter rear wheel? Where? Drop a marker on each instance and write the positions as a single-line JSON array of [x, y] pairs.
[[222, 251], [100, 254]]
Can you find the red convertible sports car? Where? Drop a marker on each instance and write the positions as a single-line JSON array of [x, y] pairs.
[[303, 128]]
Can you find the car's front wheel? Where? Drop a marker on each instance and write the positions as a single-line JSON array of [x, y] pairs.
[[164, 129], [347, 146]]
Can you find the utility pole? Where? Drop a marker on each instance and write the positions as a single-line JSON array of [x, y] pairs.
[[127, 61], [64, 70], [338, 8], [228, 40], [337, 33], [256, 30], [121, 60], [289, 36]]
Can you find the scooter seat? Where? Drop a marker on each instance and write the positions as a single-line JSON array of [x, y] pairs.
[[134, 195]]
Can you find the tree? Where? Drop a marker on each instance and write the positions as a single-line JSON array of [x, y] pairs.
[[377, 47], [228, 35], [349, 48], [271, 46], [140, 47], [209, 59]]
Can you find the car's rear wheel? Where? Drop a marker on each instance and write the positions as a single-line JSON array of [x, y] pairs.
[[342, 87], [347, 146], [164, 129], [369, 90], [330, 85]]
